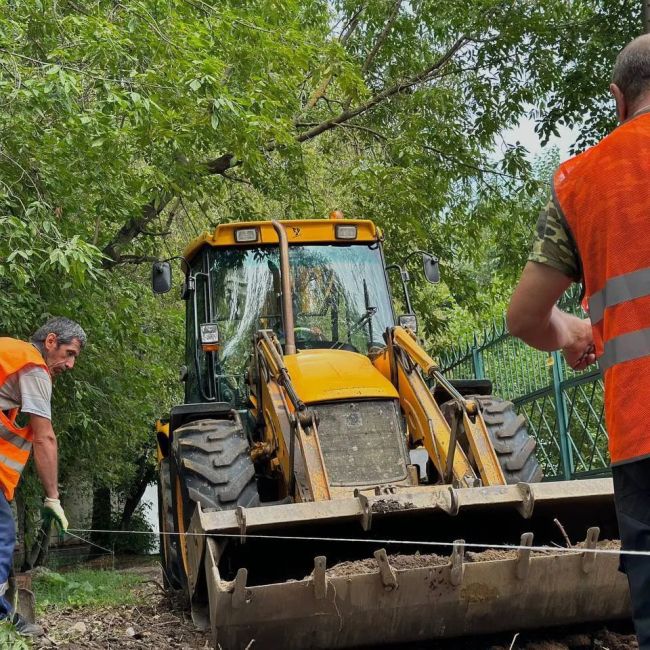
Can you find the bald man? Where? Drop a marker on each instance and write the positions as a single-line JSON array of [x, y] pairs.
[[596, 230]]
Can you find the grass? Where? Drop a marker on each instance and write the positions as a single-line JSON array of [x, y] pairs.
[[84, 588], [10, 640]]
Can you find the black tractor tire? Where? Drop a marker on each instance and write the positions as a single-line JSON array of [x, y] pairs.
[[211, 466], [514, 446], [169, 559]]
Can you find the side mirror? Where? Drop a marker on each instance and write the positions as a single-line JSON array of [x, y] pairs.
[[431, 268], [161, 277], [409, 321]]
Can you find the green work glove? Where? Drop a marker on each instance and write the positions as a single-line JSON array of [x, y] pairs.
[[52, 511]]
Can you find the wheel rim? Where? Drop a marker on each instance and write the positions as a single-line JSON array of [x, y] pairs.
[[182, 539]]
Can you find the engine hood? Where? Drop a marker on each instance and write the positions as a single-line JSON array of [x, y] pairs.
[[325, 375]]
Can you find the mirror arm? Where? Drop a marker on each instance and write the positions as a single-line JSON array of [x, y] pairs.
[[418, 252], [177, 257], [424, 254], [187, 270]]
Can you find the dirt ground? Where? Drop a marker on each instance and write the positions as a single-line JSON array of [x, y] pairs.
[[155, 623], [618, 637], [158, 623]]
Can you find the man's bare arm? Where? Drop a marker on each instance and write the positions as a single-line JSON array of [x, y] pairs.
[[534, 317], [45, 454]]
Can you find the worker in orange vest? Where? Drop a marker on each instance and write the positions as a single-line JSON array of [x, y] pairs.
[[597, 230], [26, 374]]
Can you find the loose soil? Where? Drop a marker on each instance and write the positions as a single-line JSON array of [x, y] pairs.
[[418, 561], [389, 505], [158, 622], [618, 636]]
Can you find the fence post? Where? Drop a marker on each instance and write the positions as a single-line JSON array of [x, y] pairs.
[[477, 360], [562, 416]]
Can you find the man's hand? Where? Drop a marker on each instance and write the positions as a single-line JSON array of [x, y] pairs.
[[534, 317], [581, 352], [52, 510]]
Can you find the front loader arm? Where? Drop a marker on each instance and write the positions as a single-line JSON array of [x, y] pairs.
[[289, 425], [428, 425]]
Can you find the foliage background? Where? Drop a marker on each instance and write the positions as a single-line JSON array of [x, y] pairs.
[[129, 127]]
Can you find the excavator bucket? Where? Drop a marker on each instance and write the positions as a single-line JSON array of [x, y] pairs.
[[429, 562]]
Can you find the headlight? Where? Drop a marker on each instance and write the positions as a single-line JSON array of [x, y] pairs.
[[209, 337], [346, 232], [408, 321], [246, 235]]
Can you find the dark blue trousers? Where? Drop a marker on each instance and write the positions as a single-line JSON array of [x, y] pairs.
[[632, 495], [7, 545]]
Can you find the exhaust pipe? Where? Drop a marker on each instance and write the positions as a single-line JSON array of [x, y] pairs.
[[285, 280]]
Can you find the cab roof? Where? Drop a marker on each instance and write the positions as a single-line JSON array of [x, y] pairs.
[[299, 231]]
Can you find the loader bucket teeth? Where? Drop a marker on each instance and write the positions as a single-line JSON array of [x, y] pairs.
[[374, 590]]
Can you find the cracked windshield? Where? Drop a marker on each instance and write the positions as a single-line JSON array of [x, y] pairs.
[[340, 298]]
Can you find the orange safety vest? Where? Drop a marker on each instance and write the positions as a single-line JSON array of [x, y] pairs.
[[15, 442], [604, 196]]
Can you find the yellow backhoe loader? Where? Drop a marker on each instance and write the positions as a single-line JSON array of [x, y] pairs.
[[325, 486]]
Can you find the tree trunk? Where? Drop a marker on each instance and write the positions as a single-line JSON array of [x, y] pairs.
[[146, 474], [132, 502], [101, 519]]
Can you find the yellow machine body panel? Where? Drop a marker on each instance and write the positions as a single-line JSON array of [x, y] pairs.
[[162, 429], [299, 231], [328, 375]]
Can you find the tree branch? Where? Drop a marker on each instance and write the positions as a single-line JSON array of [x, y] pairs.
[[461, 163], [382, 37], [424, 75], [348, 30], [131, 229], [134, 259], [162, 233], [221, 164]]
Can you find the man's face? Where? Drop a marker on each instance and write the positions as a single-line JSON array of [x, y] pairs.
[[60, 357]]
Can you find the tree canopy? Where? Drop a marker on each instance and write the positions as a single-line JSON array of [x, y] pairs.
[[129, 127]]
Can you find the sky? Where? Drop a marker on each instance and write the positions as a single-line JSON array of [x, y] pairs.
[[525, 133]]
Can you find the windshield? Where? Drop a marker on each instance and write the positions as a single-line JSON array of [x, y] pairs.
[[340, 298]]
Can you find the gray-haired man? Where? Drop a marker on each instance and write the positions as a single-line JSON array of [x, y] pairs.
[[26, 374]]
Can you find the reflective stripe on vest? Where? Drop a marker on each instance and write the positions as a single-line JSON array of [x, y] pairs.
[[617, 290], [625, 348], [14, 439], [12, 464]]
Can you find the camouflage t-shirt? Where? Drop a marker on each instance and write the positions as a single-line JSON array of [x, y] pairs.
[[554, 245]]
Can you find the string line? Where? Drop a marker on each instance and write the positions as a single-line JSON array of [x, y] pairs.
[[87, 541], [472, 545]]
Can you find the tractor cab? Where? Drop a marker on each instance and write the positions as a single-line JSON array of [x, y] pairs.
[[339, 297]]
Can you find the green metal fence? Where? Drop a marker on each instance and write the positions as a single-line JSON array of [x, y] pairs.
[[563, 408]]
